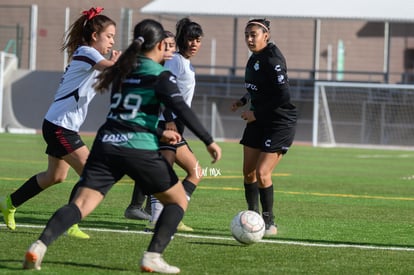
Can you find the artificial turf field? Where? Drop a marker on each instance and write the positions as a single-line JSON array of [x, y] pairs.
[[338, 210]]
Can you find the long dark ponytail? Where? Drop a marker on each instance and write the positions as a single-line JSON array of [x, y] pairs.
[[147, 34]]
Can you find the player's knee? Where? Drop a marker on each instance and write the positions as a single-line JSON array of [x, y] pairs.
[[264, 179], [195, 175], [249, 176]]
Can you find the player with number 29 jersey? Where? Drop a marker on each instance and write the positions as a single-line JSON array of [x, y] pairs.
[[133, 118]]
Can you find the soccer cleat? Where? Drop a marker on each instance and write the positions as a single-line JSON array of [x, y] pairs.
[[271, 230], [271, 227], [153, 262], [184, 228], [75, 232], [181, 227], [8, 211], [136, 213], [34, 255]]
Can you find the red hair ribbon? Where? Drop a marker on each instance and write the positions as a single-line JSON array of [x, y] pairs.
[[92, 12]]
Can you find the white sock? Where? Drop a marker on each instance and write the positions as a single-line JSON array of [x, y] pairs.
[[156, 209]]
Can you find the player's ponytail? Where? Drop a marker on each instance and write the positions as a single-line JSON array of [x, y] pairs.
[[147, 34]]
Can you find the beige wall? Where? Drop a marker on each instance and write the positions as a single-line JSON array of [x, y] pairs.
[[364, 44]]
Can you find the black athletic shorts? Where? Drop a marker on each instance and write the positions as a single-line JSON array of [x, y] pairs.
[[60, 141], [180, 128], [270, 140], [107, 164]]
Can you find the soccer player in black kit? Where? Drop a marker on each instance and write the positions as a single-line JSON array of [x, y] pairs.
[[270, 120]]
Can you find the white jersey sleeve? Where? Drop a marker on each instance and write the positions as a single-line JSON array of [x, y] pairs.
[[75, 91], [185, 74]]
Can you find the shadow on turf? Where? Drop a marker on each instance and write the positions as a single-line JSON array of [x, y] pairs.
[[216, 244], [121, 223], [311, 241], [92, 266]]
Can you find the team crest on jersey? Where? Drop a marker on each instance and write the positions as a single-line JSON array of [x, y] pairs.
[[256, 66]]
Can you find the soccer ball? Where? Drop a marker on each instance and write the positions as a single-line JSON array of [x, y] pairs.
[[247, 227]]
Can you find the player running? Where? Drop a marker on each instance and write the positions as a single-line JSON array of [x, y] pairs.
[[127, 144], [89, 38]]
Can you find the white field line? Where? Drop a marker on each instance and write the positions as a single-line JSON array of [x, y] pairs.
[[282, 242]]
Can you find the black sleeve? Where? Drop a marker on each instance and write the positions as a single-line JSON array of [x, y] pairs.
[[276, 92], [245, 98], [168, 114], [167, 92], [277, 74]]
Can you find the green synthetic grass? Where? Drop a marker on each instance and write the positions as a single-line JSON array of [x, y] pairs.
[[339, 211]]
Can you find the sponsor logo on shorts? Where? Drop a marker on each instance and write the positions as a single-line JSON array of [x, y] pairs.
[[268, 143], [173, 79], [115, 138]]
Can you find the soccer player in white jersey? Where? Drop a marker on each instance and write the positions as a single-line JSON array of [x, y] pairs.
[[89, 38], [188, 40]]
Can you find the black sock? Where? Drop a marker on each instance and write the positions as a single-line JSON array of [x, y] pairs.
[[138, 197], [251, 193], [166, 227], [73, 192], [189, 187], [266, 199], [64, 218], [25, 192]]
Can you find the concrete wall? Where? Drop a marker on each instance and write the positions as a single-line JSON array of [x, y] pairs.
[[33, 93]]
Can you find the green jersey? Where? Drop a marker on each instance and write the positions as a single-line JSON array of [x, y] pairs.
[[136, 105]]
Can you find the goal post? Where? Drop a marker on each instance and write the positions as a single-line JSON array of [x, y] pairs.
[[217, 129], [323, 133], [363, 114]]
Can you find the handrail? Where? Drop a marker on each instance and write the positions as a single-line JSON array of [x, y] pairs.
[[11, 43]]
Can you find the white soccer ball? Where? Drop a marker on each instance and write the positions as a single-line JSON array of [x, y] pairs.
[[247, 227]]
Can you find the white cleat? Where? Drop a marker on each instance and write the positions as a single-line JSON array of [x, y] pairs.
[[34, 255], [271, 230], [153, 262]]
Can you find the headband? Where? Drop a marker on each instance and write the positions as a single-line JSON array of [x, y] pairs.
[[258, 23]]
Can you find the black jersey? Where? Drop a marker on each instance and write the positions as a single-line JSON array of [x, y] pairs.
[[267, 82]]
